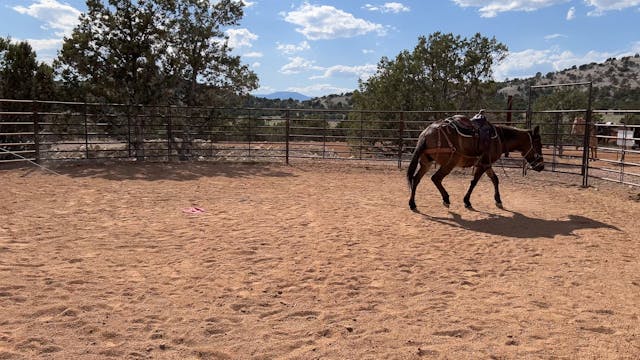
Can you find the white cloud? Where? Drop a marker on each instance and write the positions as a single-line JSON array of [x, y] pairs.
[[253, 54], [39, 45], [554, 36], [323, 22], [61, 18], [239, 38], [390, 7], [571, 14], [256, 65], [248, 4], [46, 49], [319, 89], [361, 71], [602, 6], [368, 51], [293, 48], [297, 65], [491, 8]]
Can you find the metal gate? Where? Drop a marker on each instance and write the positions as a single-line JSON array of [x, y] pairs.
[[559, 135], [19, 131]]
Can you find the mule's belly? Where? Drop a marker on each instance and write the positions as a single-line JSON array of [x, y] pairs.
[[454, 159]]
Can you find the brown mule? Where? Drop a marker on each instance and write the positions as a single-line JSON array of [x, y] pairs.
[[451, 143]]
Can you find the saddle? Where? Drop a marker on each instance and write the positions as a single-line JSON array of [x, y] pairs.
[[478, 128], [465, 127]]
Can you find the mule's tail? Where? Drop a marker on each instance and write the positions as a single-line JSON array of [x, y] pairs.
[[413, 165]]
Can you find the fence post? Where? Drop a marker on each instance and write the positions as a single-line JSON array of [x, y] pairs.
[[556, 133], [401, 140], [585, 141], [128, 129], [249, 134], [623, 150], [287, 129], [529, 111], [361, 136], [36, 130], [86, 131], [169, 135], [509, 116], [509, 108], [140, 139], [324, 135]]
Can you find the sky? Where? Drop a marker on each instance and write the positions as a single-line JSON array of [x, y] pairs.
[[321, 47]]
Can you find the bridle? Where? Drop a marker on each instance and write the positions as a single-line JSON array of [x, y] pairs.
[[537, 158]]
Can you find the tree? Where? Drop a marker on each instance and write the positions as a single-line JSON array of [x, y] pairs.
[[198, 63], [443, 72], [21, 77], [198, 54], [155, 51], [114, 52], [150, 52]]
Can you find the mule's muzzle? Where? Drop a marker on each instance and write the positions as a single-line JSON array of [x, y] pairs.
[[537, 164]]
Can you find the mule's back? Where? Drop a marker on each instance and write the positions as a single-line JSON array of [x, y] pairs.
[[456, 140]]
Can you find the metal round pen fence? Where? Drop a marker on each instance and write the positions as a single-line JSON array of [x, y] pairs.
[[46, 131]]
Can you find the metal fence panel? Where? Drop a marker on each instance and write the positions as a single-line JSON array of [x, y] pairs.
[[59, 131]]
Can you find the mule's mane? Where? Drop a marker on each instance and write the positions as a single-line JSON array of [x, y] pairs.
[[509, 132]]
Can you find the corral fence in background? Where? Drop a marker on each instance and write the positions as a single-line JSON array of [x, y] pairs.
[[48, 131], [604, 146]]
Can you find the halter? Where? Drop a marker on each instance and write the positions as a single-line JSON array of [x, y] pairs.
[[537, 158]]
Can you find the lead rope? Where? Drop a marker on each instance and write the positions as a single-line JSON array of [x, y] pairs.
[[525, 164], [33, 162]]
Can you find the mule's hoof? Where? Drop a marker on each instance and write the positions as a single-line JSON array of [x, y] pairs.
[[499, 205], [446, 204], [468, 206]]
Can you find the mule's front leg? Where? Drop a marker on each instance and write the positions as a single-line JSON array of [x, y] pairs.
[[494, 179], [476, 176]]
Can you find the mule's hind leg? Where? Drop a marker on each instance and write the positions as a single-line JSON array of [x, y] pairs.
[[425, 165], [494, 179], [437, 180], [476, 176]]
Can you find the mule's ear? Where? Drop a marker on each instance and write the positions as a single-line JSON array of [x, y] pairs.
[[536, 130]]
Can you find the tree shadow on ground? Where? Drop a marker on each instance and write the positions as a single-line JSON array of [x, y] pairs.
[[521, 226], [182, 171]]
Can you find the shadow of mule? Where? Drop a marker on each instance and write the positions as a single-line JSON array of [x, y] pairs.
[[522, 226]]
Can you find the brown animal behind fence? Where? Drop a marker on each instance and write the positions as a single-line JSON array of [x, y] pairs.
[[578, 128]]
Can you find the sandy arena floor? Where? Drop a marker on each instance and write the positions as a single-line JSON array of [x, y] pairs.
[[313, 262]]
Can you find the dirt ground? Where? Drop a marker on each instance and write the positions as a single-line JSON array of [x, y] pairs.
[[313, 261]]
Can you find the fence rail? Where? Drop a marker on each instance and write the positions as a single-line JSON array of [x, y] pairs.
[[43, 131]]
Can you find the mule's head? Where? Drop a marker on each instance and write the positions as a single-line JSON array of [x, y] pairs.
[[533, 152]]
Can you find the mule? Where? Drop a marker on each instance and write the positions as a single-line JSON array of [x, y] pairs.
[[452, 143], [578, 128]]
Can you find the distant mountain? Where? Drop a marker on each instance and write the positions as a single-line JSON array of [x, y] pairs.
[[285, 95]]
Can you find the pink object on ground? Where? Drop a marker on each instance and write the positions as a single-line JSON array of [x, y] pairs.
[[193, 210]]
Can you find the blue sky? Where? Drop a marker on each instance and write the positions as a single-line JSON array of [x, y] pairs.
[[323, 47]]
